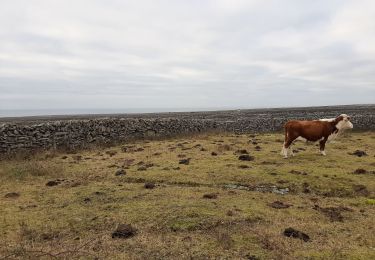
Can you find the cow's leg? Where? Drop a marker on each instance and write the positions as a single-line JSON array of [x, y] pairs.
[[322, 145], [291, 150], [287, 144], [284, 151]]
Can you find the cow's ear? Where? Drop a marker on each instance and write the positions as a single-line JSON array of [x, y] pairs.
[[338, 119]]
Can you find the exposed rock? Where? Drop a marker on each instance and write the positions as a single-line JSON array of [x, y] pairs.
[[237, 187], [272, 188]]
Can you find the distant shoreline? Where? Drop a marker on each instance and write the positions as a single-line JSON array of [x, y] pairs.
[[213, 114]]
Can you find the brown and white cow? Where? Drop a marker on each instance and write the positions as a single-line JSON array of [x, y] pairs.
[[321, 131]]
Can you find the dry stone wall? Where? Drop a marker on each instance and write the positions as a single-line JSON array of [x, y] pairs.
[[79, 133]]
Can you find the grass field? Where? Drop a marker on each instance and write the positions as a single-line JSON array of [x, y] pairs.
[[211, 206]]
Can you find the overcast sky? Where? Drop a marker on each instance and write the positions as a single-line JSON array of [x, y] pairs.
[[185, 54]]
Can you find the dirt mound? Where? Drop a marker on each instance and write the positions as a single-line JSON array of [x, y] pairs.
[[241, 151], [12, 195], [184, 161], [279, 205], [359, 153], [298, 172], [54, 182], [210, 196], [149, 185], [120, 172], [246, 157], [360, 171], [291, 232], [333, 213], [111, 153], [363, 171], [124, 231], [361, 190]]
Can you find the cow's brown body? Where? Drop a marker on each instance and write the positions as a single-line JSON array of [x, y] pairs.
[[310, 130], [316, 130]]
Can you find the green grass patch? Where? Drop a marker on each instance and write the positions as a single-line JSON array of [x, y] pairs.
[[59, 205]]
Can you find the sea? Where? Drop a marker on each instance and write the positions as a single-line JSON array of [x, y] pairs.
[[93, 111]]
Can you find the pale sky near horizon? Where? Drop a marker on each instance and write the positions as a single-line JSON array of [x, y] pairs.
[[174, 54]]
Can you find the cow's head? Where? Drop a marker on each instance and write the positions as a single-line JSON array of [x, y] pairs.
[[343, 122]]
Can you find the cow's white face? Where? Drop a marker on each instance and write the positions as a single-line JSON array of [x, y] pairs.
[[344, 123]]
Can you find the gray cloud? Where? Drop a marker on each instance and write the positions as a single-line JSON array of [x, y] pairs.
[[185, 54]]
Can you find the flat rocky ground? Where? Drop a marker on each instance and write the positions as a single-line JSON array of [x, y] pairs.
[[225, 115], [192, 198]]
